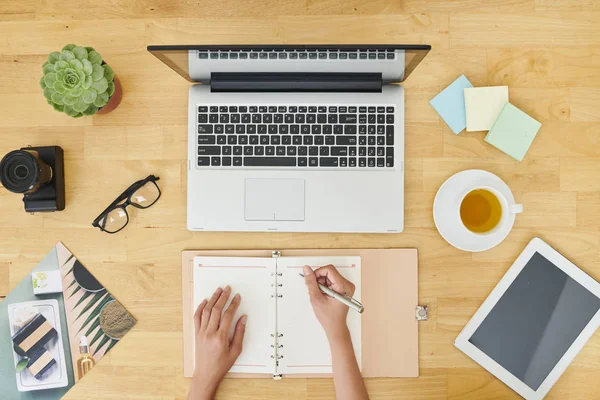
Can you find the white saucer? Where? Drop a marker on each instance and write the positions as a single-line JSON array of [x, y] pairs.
[[447, 219]]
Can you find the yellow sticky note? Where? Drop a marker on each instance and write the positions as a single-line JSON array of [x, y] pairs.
[[483, 105]]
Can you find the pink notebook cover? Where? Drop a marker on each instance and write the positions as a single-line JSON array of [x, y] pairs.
[[389, 294]]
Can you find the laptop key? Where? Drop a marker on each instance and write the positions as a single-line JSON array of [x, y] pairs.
[[238, 150], [343, 162], [302, 161], [253, 139], [202, 161], [352, 162], [209, 150], [269, 161], [206, 139], [248, 150], [215, 161], [280, 150], [259, 150], [362, 162], [226, 161], [389, 157], [381, 162], [339, 151], [264, 139], [202, 118], [222, 139], [345, 140], [270, 150], [226, 150], [205, 128], [313, 162], [329, 162], [389, 135]]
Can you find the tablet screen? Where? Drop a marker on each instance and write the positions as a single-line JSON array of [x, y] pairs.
[[535, 321]]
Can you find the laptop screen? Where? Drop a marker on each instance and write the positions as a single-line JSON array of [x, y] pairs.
[[197, 63]]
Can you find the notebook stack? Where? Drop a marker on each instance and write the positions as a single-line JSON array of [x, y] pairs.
[[463, 106]]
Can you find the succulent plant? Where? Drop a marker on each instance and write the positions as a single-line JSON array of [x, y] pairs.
[[76, 81]]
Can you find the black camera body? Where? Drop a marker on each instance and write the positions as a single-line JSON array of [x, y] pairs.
[[38, 173]]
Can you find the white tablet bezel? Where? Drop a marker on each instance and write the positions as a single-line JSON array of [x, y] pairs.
[[463, 344]]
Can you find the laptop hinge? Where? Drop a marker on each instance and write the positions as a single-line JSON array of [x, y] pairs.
[[295, 82]]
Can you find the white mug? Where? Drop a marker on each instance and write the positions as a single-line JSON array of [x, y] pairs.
[[509, 210]]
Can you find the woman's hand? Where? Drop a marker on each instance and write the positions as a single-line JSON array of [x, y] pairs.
[[330, 312], [215, 353]]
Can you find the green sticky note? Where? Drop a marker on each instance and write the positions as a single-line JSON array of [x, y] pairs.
[[513, 132]]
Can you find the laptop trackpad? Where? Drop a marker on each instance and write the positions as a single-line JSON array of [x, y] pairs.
[[274, 200]]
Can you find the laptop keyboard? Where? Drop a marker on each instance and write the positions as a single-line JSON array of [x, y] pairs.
[[300, 54], [349, 136]]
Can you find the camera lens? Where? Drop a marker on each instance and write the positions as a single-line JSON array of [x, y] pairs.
[[23, 172]]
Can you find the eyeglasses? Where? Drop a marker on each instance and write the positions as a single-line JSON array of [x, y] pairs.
[[142, 194]]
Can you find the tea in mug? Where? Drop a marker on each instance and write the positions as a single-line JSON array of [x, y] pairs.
[[480, 211]]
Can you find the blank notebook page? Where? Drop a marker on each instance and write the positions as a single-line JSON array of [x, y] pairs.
[[252, 279], [305, 347]]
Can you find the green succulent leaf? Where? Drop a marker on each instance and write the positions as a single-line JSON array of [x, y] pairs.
[[57, 99], [100, 86], [21, 365], [48, 67], [87, 66], [97, 73], [111, 89], [108, 73], [70, 100], [71, 79], [81, 53], [49, 79], [80, 106], [57, 107], [89, 96], [48, 92], [94, 57], [78, 115], [60, 65], [88, 82], [89, 49], [91, 110], [69, 47], [59, 87], [70, 112], [67, 55], [78, 91], [101, 100], [53, 57], [76, 65], [42, 83]]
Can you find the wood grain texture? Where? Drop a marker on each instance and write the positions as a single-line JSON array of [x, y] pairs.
[[546, 51]]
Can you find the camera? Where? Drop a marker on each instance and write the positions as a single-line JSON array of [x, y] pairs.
[[38, 173]]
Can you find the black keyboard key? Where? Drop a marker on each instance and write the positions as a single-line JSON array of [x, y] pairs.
[[316, 129], [229, 128], [215, 161], [338, 129], [371, 162], [206, 139], [381, 129], [202, 161], [327, 129], [389, 157], [259, 150], [347, 118], [202, 109], [329, 162], [311, 118], [342, 109], [264, 139], [305, 129], [272, 109], [302, 161], [270, 150], [389, 119], [321, 118], [313, 151], [262, 129], [283, 129], [381, 119], [253, 109], [372, 118], [313, 162], [278, 119], [308, 140], [350, 129], [219, 128], [240, 129], [352, 151], [346, 141], [275, 140], [333, 109], [302, 109], [389, 109], [233, 109], [380, 109], [224, 118], [267, 118], [294, 129], [235, 118], [282, 55], [269, 161], [272, 129], [282, 109], [362, 118], [389, 135], [226, 161], [291, 150], [293, 109], [237, 151], [302, 151], [209, 150], [202, 118], [371, 151], [253, 139], [351, 109], [372, 110], [352, 162], [362, 151], [312, 109], [256, 118], [243, 140], [214, 109], [362, 141], [332, 118], [329, 140], [343, 162], [319, 140], [262, 109], [380, 141], [226, 150], [300, 118], [362, 162], [339, 151], [251, 129], [297, 140], [286, 140], [323, 151], [237, 161], [271, 56], [222, 139], [205, 129], [322, 109], [289, 118], [362, 129], [245, 118], [381, 162], [371, 129], [371, 141], [280, 150], [362, 109], [248, 150], [213, 118]]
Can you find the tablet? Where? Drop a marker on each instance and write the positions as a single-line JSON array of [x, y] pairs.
[[535, 321]]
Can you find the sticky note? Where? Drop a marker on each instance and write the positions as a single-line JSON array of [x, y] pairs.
[[450, 104], [513, 132], [482, 106]]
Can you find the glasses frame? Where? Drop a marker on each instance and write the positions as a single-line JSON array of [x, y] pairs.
[[126, 195]]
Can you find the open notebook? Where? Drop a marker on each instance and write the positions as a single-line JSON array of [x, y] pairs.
[[283, 335]]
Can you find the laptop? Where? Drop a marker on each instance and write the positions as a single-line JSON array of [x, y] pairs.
[[294, 138]]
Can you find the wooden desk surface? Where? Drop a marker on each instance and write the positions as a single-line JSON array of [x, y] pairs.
[[546, 51]]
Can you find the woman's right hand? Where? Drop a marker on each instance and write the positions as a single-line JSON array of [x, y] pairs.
[[330, 312]]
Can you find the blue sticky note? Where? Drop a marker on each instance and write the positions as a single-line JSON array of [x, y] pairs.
[[450, 104]]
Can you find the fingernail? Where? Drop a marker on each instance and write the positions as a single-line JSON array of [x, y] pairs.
[[244, 319], [307, 270], [203, 302], [227, 288], [237, 297]]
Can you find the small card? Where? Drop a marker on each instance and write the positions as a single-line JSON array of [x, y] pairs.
[[513, 132], [482, 106], [450, 104], [45, 282]]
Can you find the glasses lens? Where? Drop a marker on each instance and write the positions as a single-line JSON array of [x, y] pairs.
[[145, 196], [114, 220]]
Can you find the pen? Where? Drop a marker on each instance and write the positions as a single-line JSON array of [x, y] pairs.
[[347, 300]]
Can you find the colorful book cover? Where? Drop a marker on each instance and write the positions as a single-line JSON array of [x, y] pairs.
[[55, 325]]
